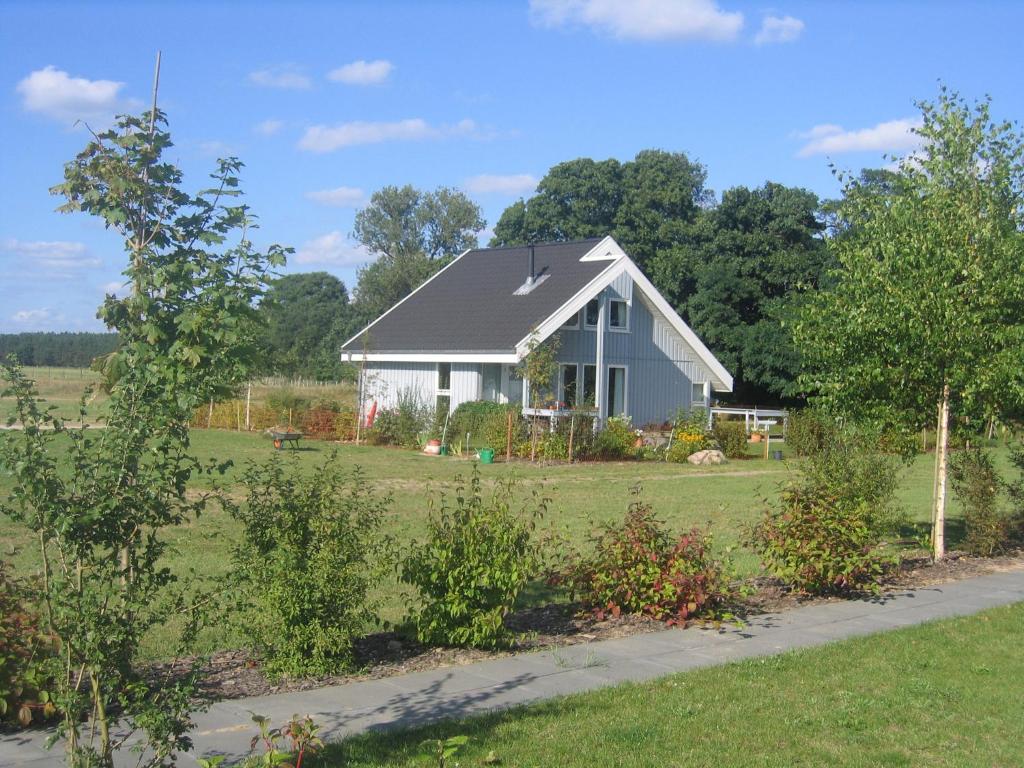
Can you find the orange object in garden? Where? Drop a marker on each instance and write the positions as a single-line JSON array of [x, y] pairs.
[[371, 415]]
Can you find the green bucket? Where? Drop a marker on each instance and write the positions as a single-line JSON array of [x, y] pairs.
[[486, 456], [444, 450]]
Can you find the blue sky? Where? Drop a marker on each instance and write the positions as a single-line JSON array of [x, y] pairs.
[[327, 102]]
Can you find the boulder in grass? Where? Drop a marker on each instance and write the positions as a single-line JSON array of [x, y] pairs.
[[701, 458]]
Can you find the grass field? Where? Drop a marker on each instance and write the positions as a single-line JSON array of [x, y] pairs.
[[582, 496], [945, 694]]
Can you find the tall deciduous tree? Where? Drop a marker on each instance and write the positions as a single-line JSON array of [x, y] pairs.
[[925, 321], [647, 204], [307, 318], [100, 502], [411, 234], [751, 259]]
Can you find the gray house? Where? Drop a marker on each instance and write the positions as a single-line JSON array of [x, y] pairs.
[[623, 350]]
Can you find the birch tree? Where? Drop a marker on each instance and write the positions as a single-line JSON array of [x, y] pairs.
[[924, 322]]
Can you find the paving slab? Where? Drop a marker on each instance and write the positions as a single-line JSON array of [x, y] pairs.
[[491, 684]]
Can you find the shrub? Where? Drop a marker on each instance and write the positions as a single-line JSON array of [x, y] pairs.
[[977, 485], [413, 417], [690, 435], [809, 432], [829, 531], [26, 656], [617, 440], [731, 437], [638, 566], [405, 424], [1015, 491], [287, 404], [311, 550], [320, 423], [478, 556], [473, 417]]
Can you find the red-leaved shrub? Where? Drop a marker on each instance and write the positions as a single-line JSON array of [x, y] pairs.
[[638, 566]]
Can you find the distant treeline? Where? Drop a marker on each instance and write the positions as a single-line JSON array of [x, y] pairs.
[[63, 350]]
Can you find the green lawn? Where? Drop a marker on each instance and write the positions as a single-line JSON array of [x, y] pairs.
[[582, 496], [950, 693]]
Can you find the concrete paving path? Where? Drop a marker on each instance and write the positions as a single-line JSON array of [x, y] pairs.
[[423, 697]]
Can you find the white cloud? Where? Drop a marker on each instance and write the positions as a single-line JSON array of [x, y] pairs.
[[890, 136], [288, 77], [514, 184], [332, 249], [362, 72], [326, 138], [642, 19], [31, 316], [52, 258], [339, 197], [54, 93], [779, 29], [268, 127]]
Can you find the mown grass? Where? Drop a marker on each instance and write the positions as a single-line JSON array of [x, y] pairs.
[[580, 498], [949, 693]]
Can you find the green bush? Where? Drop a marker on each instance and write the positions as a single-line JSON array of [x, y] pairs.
[[690, 435], [286, 403], [616, 440], [406, 424], [638, 566], [731, 437], [476, 417], [478, 555], [809, 432], [27, 656], [829, 532], [978, 486], [311, 550]]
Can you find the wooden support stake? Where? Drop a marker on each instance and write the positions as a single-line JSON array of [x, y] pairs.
[[508, 439], [572, 432]]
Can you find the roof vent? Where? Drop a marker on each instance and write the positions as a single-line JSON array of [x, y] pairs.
[[532, 273]]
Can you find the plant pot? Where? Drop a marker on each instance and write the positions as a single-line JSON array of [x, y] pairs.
[[757, 437], [433, 442]]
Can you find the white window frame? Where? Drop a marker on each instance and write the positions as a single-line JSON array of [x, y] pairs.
[[625, 390], [618, 328], [575, 323], [437, 380], [582, 386], [701, 401], [561, 383], [586, 325]]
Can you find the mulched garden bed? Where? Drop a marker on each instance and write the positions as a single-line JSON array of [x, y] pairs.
[[235, 674]]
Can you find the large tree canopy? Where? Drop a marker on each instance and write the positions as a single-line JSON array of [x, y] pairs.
[[731, 270], [748, 262], [307, 318], [926, 313], [647, 204], [412, 234]]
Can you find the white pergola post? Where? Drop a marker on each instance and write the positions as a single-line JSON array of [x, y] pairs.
[[600, 390]]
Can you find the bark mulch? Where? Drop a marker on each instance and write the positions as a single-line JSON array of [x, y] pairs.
[[236, 674]]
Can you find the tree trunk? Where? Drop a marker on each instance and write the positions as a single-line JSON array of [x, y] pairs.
[[942, 456]]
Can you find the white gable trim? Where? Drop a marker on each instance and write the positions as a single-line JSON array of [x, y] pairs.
[[721, 378], [606, 250], [397, 305], [430, 357]]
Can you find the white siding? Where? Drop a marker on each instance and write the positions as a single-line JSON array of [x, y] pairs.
[[386, 382]]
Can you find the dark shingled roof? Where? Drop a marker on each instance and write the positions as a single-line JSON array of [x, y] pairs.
[[472, 306]]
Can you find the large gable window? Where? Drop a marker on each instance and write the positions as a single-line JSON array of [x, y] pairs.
[[591, 313]]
